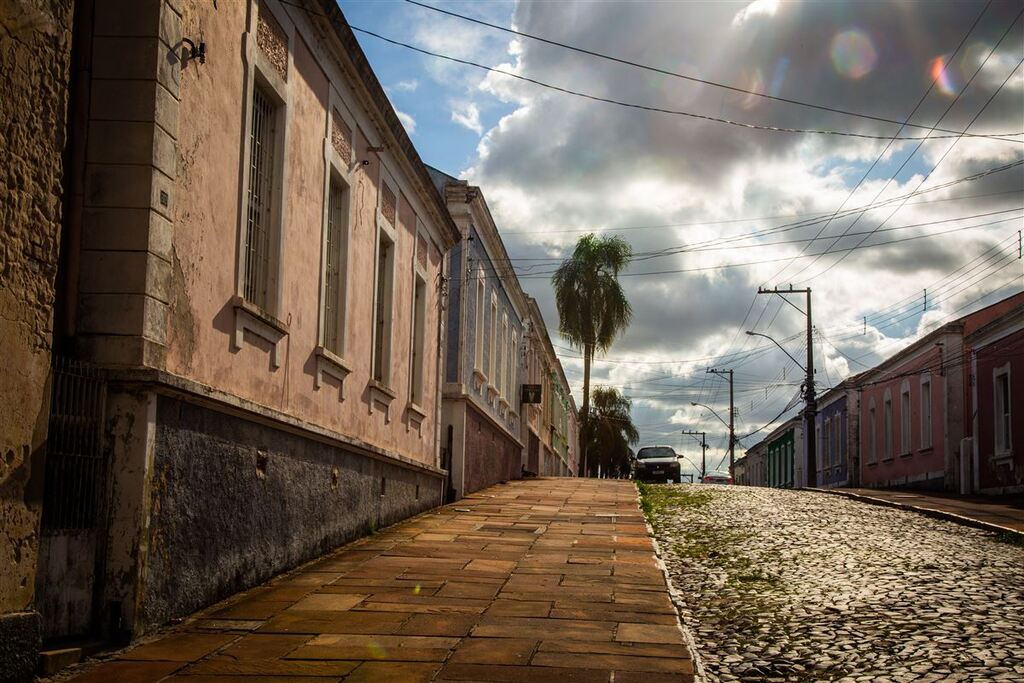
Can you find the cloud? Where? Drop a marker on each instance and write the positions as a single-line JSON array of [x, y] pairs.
[[755, 9], [467, 115], [408, 121], [408, 85], [558, 163]]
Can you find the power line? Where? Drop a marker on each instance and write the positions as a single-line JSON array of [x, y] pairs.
[[664, 110], [674, 74]]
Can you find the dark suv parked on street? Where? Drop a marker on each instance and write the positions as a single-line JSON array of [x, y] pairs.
[[656, 463]]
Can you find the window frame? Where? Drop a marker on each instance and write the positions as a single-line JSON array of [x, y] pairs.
[[418, 326], [261, 75], [1002, 442], [888, 434], [872, 432], [383, 312], [906, 418], [337, 171], [926, 421]]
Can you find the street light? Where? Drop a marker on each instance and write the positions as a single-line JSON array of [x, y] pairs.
[[758, 334], [732, 434], [693, 403]]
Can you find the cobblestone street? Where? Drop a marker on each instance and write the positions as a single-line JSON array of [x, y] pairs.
[[779, 585]]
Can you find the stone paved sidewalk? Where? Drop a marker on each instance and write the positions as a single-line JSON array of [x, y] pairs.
[[538, 580], [998, 511]]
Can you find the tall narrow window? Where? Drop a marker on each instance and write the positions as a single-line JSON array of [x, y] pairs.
[[887, 426], [905, 420], [499, 362], [926, 413], [259, 204], [493, 338], [479, 327], [513, 353], [872, 434], [419, 312], [1001, 386], [335, 246], [821, 444], [382, 312]]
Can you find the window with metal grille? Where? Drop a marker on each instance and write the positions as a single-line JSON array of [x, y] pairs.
[[335, 246], [419, 311], [259, 204], [75, 464], [382, 314]]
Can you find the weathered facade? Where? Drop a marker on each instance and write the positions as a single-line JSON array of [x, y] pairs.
[[35, 56], [756, 469], [552, 426], [913, 414], [481, 409], [254, 263], [995, 401], [837, 436], [785, 462]]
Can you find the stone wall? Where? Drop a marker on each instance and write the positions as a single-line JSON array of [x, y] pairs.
[[235, 502], [35, 48]]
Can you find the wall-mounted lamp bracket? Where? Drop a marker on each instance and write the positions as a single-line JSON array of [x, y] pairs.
[[193, 51]]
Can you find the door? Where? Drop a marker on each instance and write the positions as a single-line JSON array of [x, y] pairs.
[[67, 577]]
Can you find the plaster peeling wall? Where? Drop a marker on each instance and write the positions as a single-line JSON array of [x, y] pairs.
[[234, 502], [35, 44]]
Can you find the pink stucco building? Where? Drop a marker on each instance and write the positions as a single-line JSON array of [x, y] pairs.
[[914, 410], [251, 354]]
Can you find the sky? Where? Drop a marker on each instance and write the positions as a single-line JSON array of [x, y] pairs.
[[714, 210]]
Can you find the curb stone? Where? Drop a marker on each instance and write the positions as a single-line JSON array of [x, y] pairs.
[[929, 512], [677, 600]]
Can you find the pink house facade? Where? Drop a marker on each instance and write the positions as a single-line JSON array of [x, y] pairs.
[[914, 409], [995, 399]]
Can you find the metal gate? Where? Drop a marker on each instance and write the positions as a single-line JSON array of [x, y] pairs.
[[72, 500]]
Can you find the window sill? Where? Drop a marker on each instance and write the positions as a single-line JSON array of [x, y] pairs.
[[480, 379], [1002, 457], [329, 363], [416, 414], [907, 454], [925, 451], [381, 397], [492, 392], [889, 459], [503, 402], [252, 318]]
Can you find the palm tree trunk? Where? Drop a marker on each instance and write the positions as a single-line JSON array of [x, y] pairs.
[[588, 352]]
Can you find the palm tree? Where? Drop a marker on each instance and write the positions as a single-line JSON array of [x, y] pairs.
[[592, 308], [611, 432]]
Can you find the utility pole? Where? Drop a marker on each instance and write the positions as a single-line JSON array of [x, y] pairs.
[[732, 418], [811, 405], [703, 451]]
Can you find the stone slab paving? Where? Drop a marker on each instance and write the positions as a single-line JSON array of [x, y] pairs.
[[780, 585], [537, 580], [1002, 511]]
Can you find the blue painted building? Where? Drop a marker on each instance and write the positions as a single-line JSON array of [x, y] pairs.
[[486, 319], [836, 436]]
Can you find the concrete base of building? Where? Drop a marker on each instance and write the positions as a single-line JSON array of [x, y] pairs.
[[20, 640], [234, 502]]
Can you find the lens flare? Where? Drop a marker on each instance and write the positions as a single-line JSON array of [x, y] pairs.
[[778, 77], [853, 54], [943, 77], [755, 83]]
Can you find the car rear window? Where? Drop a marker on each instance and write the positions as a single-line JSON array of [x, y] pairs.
[[656, 452]]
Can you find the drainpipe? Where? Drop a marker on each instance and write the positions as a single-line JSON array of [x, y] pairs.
[[442, 293]]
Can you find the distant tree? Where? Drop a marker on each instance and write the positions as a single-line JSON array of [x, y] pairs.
[[611, 432], [592, 308]]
